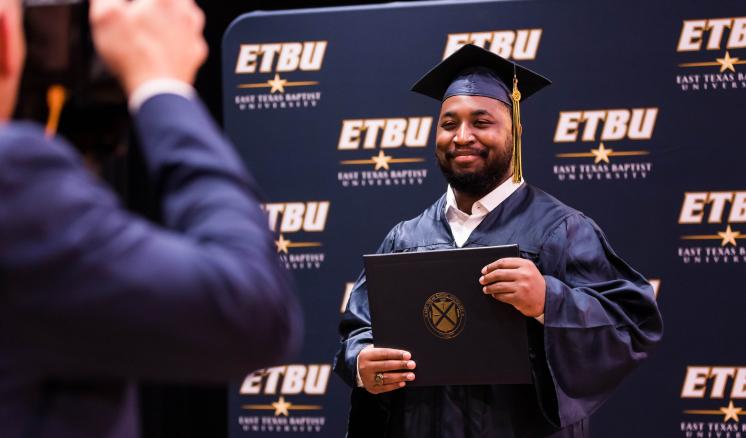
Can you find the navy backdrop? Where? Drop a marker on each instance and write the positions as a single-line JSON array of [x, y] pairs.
[[641, 130]]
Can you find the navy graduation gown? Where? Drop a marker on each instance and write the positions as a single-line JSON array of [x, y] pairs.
[[601, 319]]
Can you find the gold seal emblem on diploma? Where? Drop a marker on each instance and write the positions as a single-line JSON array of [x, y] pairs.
[[444, 315]]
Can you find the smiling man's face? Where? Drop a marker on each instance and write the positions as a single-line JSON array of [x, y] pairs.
[[474, 143]]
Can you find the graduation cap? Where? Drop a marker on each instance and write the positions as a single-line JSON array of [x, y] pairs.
[[474, 71]]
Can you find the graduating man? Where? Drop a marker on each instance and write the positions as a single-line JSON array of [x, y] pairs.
[[95, 299], [591, 317]]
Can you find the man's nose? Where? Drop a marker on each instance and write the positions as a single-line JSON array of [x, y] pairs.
[[464, 135]]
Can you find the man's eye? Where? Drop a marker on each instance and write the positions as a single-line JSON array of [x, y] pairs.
[[448, 125], [482, 123]]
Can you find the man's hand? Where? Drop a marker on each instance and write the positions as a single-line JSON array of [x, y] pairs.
[[393, 366], [141, 40], [517, 282]]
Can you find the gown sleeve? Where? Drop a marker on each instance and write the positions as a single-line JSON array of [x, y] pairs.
[[355, 327], [601, 317]]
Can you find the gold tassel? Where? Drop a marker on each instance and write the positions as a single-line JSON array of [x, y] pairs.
[[517, 130]]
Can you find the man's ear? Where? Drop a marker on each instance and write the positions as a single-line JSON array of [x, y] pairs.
[[4, 45]]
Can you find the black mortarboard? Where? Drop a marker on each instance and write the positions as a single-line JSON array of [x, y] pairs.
[[474, 71]]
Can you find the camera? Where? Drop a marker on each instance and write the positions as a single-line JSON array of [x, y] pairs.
[[65, 85]]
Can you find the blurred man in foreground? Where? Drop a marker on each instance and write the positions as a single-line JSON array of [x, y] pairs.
[[94, 298]]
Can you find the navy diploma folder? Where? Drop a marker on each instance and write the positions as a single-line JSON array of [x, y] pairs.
[[431, 304]]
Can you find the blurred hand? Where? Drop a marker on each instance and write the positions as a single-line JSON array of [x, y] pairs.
[[141, 40], [516, 281], [392, 364]]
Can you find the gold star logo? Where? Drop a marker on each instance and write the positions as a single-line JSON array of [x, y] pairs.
[[601, 154], [282, 244], [281, 407], [726, 63], [381, 161], [277, 84], [729, 236], [731, 412]]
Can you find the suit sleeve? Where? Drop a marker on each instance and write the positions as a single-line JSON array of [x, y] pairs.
[[355, 327], [601, 318], [90, 289]]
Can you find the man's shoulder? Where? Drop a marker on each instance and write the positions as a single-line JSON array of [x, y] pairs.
[[17, 132], [432, 213], [549, 204], [21, 141], [422, 230], [555, 213]]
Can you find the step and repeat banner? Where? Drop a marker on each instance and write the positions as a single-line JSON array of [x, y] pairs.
[[642, 129]]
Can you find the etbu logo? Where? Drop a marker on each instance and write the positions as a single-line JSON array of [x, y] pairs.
[[288, 380], [291, 217], [521, 44], [714, 382], [719, 71], [607, 128], [398, 141], [280, 57], [713, 207], [388, 133], [710, 212], [709, 34], [606, 125]]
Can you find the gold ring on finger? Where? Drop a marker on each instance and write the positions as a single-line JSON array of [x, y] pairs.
[[379, 379]]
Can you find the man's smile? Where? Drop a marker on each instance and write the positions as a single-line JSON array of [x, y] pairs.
[[466, 155]]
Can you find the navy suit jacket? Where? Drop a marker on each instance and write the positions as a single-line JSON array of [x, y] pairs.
[[93, 298]]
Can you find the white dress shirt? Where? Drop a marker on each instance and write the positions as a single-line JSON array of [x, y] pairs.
[[462, 224], [155, 87]]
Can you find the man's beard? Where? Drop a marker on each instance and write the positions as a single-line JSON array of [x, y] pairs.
[[478, 183]]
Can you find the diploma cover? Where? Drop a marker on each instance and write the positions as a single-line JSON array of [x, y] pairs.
[[431, 304]]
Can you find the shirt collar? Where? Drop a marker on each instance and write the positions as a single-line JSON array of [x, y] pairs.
[[488, 202]]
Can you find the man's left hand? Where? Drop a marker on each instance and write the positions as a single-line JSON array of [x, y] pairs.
[[515, 281]]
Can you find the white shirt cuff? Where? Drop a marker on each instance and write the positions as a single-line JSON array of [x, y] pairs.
[[155, 87], [540, 318]]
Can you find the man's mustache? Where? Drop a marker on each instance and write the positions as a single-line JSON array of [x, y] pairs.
[[456, 152]]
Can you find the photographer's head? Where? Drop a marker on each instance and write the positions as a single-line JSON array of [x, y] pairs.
[[12, 55]]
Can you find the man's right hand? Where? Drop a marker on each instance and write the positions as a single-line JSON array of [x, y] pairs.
[[394, 366], [142, 40]]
